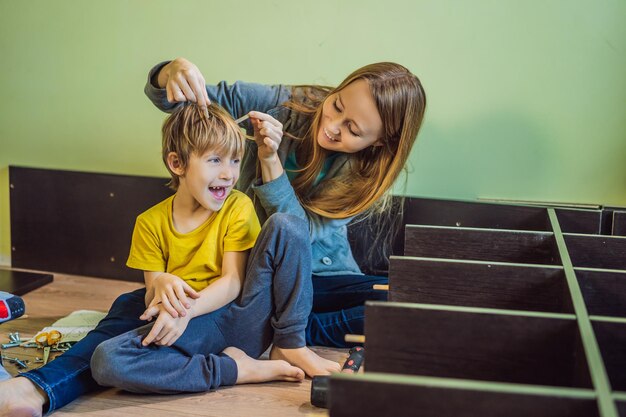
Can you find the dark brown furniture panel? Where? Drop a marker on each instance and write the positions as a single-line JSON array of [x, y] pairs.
[[593, 251], [612, 341], [19, 282], [481, 244], [76, 222], [619, 223], [479, 284], [604, 292], [474, 345], [383, 397]]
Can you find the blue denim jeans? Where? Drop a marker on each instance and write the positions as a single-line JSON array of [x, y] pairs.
[[69, 376], [338, 307], [273, 307]]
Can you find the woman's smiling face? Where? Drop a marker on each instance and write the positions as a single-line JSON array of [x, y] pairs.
[[350, 121]]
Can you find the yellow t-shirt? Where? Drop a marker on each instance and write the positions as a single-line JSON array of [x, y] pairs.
[[196, 256]]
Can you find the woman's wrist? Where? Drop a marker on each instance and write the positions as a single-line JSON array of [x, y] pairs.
[[163, 75], [271, 168]]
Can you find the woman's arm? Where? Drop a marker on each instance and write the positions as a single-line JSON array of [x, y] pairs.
[[168, 80], [278, 196]]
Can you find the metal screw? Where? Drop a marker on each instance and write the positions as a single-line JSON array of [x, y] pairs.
[[10, 345], [20, 363], [58, 349]]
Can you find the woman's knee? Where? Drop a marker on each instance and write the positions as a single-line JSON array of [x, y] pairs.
[[104, 364], [114, 359], [289, 224]]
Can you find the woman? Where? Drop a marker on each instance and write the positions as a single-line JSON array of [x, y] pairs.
[[342, 150]]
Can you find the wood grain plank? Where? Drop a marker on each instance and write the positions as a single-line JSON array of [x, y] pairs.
[[481, 244], [452, 213], [612, 342], [604, 291], [78, 222], [596, 251], [421, 340], [19, 282], [478, 284], [579, 220], [384, 395], [619, 223]]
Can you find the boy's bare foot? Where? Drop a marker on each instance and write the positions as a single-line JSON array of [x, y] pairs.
[[250, 371], [19, 397], [306, 359]]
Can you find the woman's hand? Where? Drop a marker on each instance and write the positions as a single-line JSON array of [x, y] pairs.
[[172, 291], [268, 133], [183, 81]]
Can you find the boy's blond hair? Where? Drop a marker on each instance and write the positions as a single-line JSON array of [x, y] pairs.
[[187, 130]]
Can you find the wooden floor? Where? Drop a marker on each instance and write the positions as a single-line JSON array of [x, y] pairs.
[[69, 293]]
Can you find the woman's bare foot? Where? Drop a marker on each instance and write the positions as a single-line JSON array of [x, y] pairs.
[[19, 397], [250, 371], [304, 358]]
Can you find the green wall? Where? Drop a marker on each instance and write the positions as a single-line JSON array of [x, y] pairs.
[[526, 98]]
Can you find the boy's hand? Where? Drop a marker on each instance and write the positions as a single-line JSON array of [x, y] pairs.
[[268, 133], [166, 329], [171, 291], [151, 312]]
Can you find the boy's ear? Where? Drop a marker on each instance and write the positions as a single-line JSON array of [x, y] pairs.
[[174, 164]]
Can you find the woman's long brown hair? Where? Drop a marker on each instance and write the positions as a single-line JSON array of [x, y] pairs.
[[401, 102]]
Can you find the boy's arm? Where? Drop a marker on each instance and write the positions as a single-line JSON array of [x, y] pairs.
[[221, 292], [168, 329], [225, 289], [148, 279], [169, 290], [146, 254]]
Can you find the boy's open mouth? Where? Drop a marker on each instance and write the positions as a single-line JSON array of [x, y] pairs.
[[218, 192]]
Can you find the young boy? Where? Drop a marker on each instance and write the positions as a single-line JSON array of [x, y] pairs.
[[193, 248], [202, 234]]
